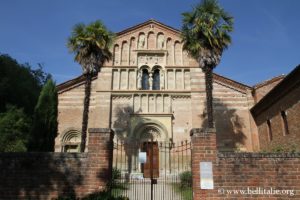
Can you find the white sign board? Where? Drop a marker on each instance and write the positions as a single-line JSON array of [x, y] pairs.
[[142, 157], [206, 176]]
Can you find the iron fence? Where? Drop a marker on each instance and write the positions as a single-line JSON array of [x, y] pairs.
[[166, 174]]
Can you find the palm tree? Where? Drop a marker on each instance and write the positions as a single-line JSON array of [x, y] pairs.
[[205, 35], [90, 44]]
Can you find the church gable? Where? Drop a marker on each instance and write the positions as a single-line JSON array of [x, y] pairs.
[[149, 43], [230, 94]]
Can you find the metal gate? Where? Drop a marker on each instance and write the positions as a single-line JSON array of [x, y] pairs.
[[152, 170]]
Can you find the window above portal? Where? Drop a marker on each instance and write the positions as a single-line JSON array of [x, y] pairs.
[[150, 78]]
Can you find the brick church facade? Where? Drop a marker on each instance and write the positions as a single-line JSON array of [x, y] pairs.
[[153, 87]]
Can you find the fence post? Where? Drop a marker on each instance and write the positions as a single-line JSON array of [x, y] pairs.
[[100, 157], [203, 149]]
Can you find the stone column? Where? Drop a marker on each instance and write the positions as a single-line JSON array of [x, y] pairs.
[[150, 80], [100, 156], [204, 149], [162, 79], [139, 79]]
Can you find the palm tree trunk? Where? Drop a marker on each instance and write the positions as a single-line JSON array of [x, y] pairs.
[[209, 96], [85, 114]]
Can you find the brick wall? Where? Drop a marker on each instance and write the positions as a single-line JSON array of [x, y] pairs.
[[290, 104], [262, 89], [244, 172], [49, 175]]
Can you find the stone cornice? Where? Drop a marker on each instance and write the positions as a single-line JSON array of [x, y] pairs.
[[242, 87], [72, 83], [202, 131], [143, 92], [100, 130], [227, 155], [151, 51], [267, 82], [152, 114], [138, 26]]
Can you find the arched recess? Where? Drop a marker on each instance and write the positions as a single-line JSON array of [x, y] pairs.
[[116, 55], [131, 52], [170, 52], [156, 74], [152, 128], [124, 53], [71, 140], [177, 53], [151, 40], [160, 41], [145, 79], [141, 41]]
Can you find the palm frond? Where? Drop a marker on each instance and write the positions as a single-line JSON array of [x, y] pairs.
[[208, 26], [90, 44]]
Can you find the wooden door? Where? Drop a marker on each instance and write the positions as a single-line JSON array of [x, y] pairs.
[[151, 149]]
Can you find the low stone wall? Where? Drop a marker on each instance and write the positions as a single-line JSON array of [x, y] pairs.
[[245, 175], [53, 175]]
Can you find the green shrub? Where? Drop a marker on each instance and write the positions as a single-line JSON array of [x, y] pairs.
[[114, 183], [116, 173], [103, 196], [185, 179]]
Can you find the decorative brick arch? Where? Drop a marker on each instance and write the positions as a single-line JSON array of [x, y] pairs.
[[160, 130], [70, 140]]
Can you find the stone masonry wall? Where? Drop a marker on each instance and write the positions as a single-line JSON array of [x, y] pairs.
[[52, 175], [244, 175]]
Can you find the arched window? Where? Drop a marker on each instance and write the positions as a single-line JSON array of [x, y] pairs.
[[156, 80], [145, 80], [116, 55], [71, 141], [270, 130], [284, 123], [141, 41]]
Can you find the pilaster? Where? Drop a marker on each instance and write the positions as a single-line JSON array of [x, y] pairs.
[[204, 149], [100, 157]]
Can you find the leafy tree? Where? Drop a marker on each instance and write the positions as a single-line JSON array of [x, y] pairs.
[[14, 126], [44, 126], [40, 76], [90, 44], [205, 34], [19, 84]]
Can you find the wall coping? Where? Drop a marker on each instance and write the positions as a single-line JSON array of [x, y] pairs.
[[257, 155], [43, 155], [202, 131], [100, 130]]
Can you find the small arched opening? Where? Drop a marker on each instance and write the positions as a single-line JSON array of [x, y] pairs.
[[145, 79], [71, 141], [156, 79]]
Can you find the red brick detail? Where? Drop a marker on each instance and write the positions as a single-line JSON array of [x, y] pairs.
[[203, 149], [235, 172], [99, 159], [53, 175]]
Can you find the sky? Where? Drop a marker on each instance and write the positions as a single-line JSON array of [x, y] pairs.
[[265, 41]]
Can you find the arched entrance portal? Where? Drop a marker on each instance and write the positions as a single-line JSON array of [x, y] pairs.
[[148, 161], [149, 129], [149, 136]]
